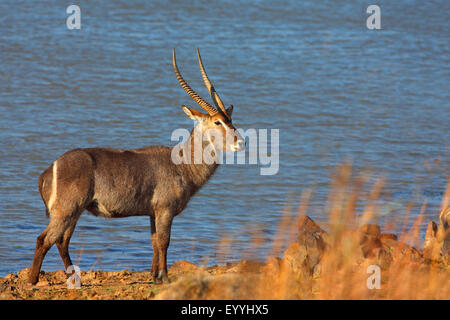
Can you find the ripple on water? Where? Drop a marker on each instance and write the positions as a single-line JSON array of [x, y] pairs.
[[334, 91]]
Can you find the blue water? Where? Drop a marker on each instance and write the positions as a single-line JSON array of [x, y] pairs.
[[335, 90]]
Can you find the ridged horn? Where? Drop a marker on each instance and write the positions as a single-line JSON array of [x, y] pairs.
[[205, 105], [214, 95]]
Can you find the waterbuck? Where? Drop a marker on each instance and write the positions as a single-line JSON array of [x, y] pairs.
[[115, 183]]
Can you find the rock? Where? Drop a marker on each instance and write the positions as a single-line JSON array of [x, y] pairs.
[[247, 266], [234, 286], [431, 248], [444, 231], [388, 236], [24, 274], [202, 285], [273, 266], [11, 276], [5, 286], [216, 269], [96, 275], [60, 276], [123, 273], [182, 267], [296, 259], [364, 245], [437, 238], [444, 217], [192, 286], [317, 271], [369, 246], [297, 270], [369, 241], [313, 241], [382, 257], [370, 230], [401, 251], [42, 283]]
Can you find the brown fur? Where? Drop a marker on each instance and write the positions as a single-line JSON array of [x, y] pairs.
[[117, 183]]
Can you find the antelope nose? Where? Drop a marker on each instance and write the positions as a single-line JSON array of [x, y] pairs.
[[240, 144]]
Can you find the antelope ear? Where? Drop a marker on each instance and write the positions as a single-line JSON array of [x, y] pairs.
[[230, 110], [193, 114]]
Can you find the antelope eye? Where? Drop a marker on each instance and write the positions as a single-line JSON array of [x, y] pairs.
[[217, 123]]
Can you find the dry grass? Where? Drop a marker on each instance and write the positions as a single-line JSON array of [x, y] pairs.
[[405, 274], [344, 269], [342, 272]]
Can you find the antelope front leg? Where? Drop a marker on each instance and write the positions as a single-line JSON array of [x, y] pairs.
[[155, 259], [163, 226]]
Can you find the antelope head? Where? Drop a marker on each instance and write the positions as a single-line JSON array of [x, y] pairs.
[[216, 124]]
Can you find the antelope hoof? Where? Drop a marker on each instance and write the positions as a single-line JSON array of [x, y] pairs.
[[33, 279], [165, 280], [161, 281], [161, 278]]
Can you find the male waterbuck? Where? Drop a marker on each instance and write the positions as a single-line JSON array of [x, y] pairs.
[[115, 183]]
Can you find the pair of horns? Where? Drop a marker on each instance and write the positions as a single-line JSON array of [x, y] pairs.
[[203, 103]]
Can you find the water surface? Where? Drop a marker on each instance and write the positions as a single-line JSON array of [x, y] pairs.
[[335, 89]]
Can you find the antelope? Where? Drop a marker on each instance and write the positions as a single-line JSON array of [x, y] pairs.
[[116, 183]]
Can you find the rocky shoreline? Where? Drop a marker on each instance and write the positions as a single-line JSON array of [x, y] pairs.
[[318, 265]]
